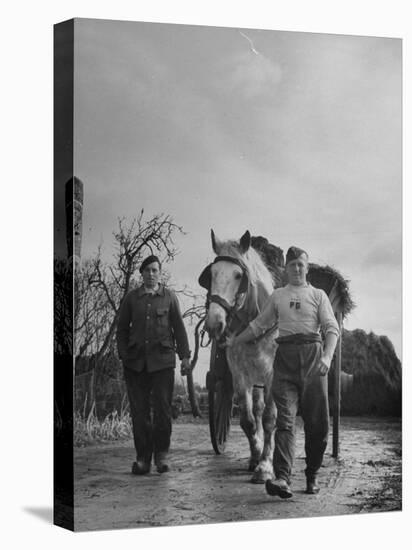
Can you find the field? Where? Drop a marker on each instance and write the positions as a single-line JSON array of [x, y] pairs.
[[204, 488]]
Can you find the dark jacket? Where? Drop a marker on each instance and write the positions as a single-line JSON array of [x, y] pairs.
[[150, 330]]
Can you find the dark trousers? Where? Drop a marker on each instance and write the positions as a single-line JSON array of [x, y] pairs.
[[151, 429], [294, 386]]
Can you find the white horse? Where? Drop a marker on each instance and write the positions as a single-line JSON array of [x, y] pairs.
[[239, 284]]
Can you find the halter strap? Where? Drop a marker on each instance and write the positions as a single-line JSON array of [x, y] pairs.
[[229, 259], [215, 298]]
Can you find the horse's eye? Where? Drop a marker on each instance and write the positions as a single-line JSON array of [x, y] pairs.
[[238, 276]]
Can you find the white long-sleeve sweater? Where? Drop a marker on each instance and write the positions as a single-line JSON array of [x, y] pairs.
[[296, 309]]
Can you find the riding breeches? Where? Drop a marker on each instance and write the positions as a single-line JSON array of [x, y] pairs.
[[295, 387]]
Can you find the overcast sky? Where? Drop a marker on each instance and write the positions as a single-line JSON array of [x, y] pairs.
[[294, 136]]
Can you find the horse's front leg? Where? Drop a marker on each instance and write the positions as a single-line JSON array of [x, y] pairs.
[[249, 426], [264, 470]]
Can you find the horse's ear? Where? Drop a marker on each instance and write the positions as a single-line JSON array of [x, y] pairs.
[[215, 242], [245, 241]]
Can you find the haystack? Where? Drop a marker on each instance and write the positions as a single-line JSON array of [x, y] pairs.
[[377, 372], [334, 284]]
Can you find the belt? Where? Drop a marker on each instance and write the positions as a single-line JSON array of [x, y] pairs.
[[300, 339]]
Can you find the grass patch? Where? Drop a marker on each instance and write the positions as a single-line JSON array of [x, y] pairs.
[[113, 427]]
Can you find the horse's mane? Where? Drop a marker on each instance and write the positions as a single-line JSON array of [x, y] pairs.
[[272, 257]]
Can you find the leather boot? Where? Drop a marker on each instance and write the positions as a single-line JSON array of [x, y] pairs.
[[160, 461], [278, 487], [140, 468], [312, 487]]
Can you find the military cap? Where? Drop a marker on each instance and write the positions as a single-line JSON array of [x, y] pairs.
[[294, 253], [149, 260]]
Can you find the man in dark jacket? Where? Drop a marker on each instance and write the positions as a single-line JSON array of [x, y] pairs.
[[150, 331]]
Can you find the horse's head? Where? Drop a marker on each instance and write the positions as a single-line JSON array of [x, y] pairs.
[[226, 280]]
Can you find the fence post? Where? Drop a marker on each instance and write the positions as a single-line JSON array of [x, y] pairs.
[[337, 389]]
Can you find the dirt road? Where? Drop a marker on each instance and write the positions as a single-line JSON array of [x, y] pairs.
[[205, 488]]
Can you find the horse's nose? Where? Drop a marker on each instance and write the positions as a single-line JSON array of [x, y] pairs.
[[215, 329], [218, 330]]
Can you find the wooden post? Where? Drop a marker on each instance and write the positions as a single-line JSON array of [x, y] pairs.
[[337, 389], [74, 212]]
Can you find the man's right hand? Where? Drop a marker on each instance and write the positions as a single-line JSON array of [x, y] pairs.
[[320, 368], [185, 367]]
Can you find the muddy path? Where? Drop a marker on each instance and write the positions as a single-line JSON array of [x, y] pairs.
[[205, 488]]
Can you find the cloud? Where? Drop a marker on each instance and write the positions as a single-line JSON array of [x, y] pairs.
[[251, 75], [385, 253]]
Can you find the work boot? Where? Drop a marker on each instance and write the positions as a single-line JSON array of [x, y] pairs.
[[279, 487], [140, 468], [160, 461], [312, 487]]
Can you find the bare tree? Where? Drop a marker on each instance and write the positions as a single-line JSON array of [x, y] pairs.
[[197, 309], [92, 312]]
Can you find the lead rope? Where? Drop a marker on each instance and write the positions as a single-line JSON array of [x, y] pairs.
[[189, 377]]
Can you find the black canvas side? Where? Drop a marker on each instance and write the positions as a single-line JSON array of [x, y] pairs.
[[63, 275]]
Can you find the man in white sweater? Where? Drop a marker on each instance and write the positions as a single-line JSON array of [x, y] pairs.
[[301, 364]]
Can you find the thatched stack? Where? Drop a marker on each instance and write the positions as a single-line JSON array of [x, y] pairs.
[[335, 286], [377, 385]]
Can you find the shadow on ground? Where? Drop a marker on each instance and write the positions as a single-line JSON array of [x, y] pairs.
[[43, 513]]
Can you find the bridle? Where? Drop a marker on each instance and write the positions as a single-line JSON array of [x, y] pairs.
[[232, 311]]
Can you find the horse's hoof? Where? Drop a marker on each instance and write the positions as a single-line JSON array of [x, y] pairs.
[[260, 477], [257, 481], [252, 466]]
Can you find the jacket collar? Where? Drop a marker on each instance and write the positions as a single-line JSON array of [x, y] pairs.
[[159, 292]]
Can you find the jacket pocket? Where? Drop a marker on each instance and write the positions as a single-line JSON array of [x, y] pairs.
[[132, 340], [166, 346], [162, 317], [134, 351]]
